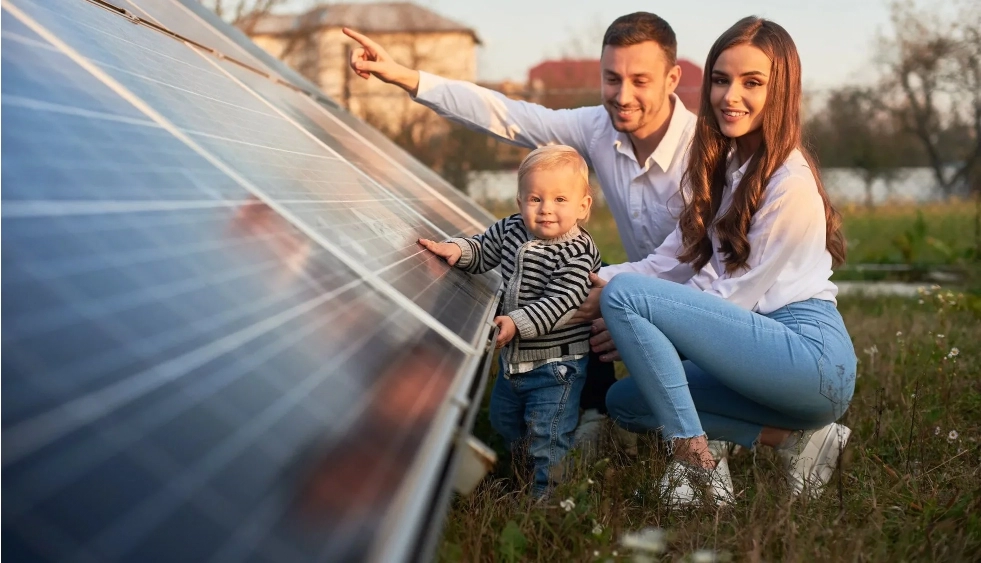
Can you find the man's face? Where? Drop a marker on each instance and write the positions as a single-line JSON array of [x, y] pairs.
[[637, 84]]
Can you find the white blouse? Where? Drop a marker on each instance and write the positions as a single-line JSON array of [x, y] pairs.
[[788, 259]]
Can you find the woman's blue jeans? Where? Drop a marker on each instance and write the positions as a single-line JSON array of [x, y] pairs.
[[701, 365]]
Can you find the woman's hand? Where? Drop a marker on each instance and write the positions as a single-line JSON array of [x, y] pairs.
[[446, 250], [590, 308], [508, 329], [371, 59], [602, 343]]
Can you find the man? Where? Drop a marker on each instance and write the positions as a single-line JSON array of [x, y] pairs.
[[636, 143]]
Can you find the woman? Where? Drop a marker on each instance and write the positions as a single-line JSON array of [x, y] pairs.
[[752, 348]]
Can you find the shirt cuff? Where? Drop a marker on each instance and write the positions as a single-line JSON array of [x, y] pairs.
[[606, 273], [522, 321], [466, 253], [427, 83]]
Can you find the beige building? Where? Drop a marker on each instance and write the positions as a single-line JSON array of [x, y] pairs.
[[313, 44]]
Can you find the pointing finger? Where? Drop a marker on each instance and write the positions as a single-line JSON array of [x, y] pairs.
[[364, 40]]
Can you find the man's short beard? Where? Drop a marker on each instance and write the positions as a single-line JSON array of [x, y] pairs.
[[611, 111]]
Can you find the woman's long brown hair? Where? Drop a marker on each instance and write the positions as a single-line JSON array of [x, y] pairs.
[[781, 127]]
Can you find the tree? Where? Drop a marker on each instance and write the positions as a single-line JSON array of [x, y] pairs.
[[932, 83], [855, 130], [298, 40], [243, 14]]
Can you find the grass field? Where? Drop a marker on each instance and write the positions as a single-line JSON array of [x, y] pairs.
[[910, 483]]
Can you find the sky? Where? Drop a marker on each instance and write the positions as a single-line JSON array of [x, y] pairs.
[[836, 38]]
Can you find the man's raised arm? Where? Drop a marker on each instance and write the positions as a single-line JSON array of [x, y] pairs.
[[517, 122]]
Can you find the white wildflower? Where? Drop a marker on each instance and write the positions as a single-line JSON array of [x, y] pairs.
[[872, 351], [703, 556], [596, 553], [590, 481], [934, 287], [952, 436], [940, 336], [899, 334], [953, 352], [921, 301], [936, 431], [568, 504], [597, 528], [614, 553], [650, 540]]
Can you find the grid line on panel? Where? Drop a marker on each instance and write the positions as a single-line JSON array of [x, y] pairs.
[[48, 208], [27, 103], [259, 523], [348, 260], [14, 36], [196, 390], [280, 82], [382, 173], [97, 363], [304, 131], [185, 483], [94, 309], [32, 434], [446, 201]]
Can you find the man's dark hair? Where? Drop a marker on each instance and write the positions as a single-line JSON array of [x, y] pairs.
[[638, 27]]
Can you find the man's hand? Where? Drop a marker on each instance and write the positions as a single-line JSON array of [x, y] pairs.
[[371, 59], [602, 342], [446, 250], [508, 330], [590, 308]]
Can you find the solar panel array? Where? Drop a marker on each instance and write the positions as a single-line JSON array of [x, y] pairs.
[[220, 339]]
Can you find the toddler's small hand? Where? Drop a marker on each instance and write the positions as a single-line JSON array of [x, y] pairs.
[[508, 329], [446, 250]]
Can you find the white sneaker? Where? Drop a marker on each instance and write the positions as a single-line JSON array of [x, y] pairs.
[[720, 449], [810, 464], [686, 485], [589, 433]]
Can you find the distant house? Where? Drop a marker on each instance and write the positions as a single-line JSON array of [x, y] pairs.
[[566, 83], [569, 83], [313, 44], [690, 87]]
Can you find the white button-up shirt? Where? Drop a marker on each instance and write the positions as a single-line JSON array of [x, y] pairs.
[[788, 258], [645, 199]]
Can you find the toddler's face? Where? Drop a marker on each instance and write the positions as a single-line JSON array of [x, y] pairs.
[[552, 201]]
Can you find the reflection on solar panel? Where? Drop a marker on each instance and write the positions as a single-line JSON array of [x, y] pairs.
[[220, 341]]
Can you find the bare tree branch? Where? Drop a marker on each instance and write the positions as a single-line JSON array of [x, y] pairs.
[[933, 66]]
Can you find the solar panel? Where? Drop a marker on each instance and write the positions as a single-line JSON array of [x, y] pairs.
[[187, 15], [220, 341]]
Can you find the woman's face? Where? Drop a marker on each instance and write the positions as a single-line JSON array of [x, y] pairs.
[[739, 88]]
